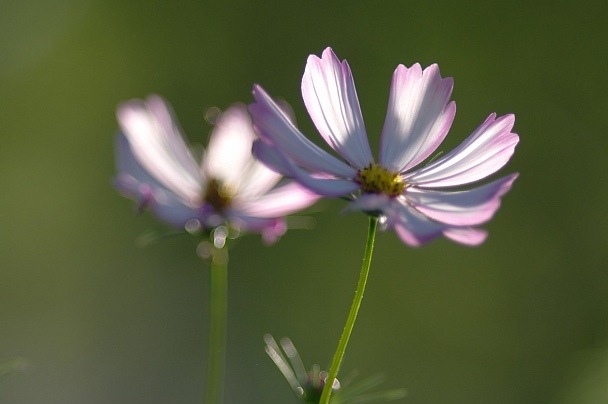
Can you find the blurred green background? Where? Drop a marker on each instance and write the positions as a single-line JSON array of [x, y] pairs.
[[521, 319]]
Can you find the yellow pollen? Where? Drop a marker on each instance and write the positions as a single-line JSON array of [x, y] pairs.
[[217, 195], [378, 180]]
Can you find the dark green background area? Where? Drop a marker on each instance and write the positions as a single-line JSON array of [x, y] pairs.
[[521, 319]]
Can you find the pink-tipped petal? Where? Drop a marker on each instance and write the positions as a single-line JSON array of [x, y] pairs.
[[130, 172], [135, 183], [257, 180], [272, 233], [484, 152], [462, 208], [159, 146], [419, 116], [272, 158], [412, 227], [165, 117], [332, 187], [370, 203], [409, 237], [330, 96], [229, 157], [170, 209], [274, 126], [466, 235], [281, 201], [326, 186], [270, 228]]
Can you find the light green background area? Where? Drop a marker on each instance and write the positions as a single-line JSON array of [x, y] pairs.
[[521, 319]]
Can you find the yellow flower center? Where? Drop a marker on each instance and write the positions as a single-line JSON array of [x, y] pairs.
[[217, 195], [378, 180]]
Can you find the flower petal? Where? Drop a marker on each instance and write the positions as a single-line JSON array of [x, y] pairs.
[[256, 181], [412, 227], [272, 158], [484, 152], [371, 203], [326, 186], [275, 127], [330, 96], [466, 235], [416, 229], [463, 208], [270, 228], [418, 117], [158, 145], [135, 183], [163, 114], [130, 172], [170, 209], [229, 157], [281, 201]]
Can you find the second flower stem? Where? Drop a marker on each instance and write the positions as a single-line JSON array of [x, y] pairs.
[[217, 326], [354, 309]]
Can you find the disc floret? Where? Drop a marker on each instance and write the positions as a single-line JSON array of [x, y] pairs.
[[378, 180], [217, 195]]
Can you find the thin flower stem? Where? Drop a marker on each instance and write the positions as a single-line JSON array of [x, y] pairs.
[[354, 309], [217, 326]]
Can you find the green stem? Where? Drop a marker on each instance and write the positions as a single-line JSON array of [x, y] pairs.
[[217, 326], [354, 309]]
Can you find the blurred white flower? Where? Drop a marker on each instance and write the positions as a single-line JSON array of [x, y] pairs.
[[158, 169]]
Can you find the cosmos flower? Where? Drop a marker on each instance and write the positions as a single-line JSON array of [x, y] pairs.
[[158, 169], [406, 196]]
